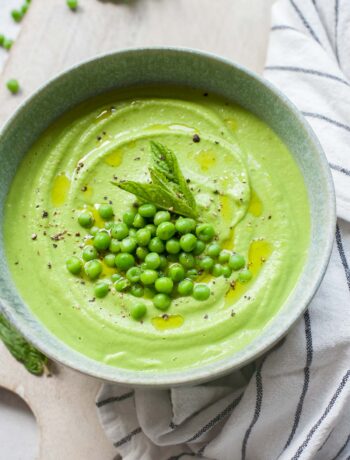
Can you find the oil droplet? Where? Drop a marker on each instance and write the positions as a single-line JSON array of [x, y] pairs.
[[226, 208], [206, 159], [107, 271], [255, 206], [165, 322], [232, 124], [99, 222], [60, 190], [228, 243], [259, 252], [204, 278], [114, 158]]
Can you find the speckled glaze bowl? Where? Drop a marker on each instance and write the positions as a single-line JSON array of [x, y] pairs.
[[180, 67]]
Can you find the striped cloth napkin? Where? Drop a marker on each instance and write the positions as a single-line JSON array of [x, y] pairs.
[[294, 403]]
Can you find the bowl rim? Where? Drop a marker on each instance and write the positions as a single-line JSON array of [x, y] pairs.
[[88, 366]]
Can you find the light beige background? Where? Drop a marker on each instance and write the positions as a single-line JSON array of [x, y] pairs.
[[53, 38]]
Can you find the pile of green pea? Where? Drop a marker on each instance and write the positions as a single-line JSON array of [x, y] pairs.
[[156, 254]]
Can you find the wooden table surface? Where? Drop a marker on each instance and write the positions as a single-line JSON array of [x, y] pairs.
[[52, 39]]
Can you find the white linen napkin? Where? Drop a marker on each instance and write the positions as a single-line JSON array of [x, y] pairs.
[[294, 403]]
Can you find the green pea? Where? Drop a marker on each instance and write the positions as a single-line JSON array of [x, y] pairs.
[[192, 273], [93, 269], [74, 265], [128, 218], [176, 272], [109, 260], [188, 242], [185, 225], [185, 287], [141, 253], [226, 271], [205, 232], [133, 274], [163, 262], [2, 39], [152, 260], [147, 210], [17, 15], [199, 248], [133, 232], [122, 284], [93, 231], [161, 301], [164, 285], [102, 240], [156, 245], [138, 311], [114, 246], [109, 225], [137, 290], [139, 221], [152, 229], [149, 293], [165, 230], [187, 260], [13, 86], [161, 216], [115, 277], [7, 44], [119, 231], [148, 276], [213, 250], [224, 256], [217, 270], [143, 237], [24, 9], [124, 261], [101, 289], [172, 246], [72, 4], [245, 275], [106, 211], [201, 291], [86, 219], [89, 253], [236, 261], [206, 263], [128, 244]]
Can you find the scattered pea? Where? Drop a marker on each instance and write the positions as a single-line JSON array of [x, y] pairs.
[[89, 253], [199, 248], [119, 231], [128, 218], [114, 246], [206, 263], [109, 260], [141, 253], [205, 232], [143, 237], [93, 269], [115, 277], [201, 291], [217, 270], [185, 287], [161, 301], [137, 290], [163, 262], [192, 273], [226, 271], [106, 211], [245, 275], [152, 229], [187, 260], [124, 261], [74, 265], [139, 221], [17, 15], [224, 256], [133, 274], [138, 311], [165, 230], [176, 272], [188, 242], [156, 245], [236, 261], [161, 216], [94, 230], [172, 246], [13, 86], [128, 244], [148, 276], [213, 250], [147, 210], [152, 260], [122, 284], [164, 285], [101, 289], [8, 42], [72, 4], [86, 219], [102, 240], [185, 225]]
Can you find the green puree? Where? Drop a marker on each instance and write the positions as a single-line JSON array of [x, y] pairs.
[[244, 180]]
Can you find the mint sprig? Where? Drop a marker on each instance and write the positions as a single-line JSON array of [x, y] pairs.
[[168, 189]]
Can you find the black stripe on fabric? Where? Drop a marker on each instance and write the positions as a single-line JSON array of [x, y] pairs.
[[336, 20], [337, 393], [226, 412], [304, 21], [328, 120], [128, 437], [283, 27], [307, 71], [259, 397], [341, 450], [342, 255], [340, 169], [114, 399], [309, 356]]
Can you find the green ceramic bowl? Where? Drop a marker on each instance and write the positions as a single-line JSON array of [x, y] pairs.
[[179, 67]]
